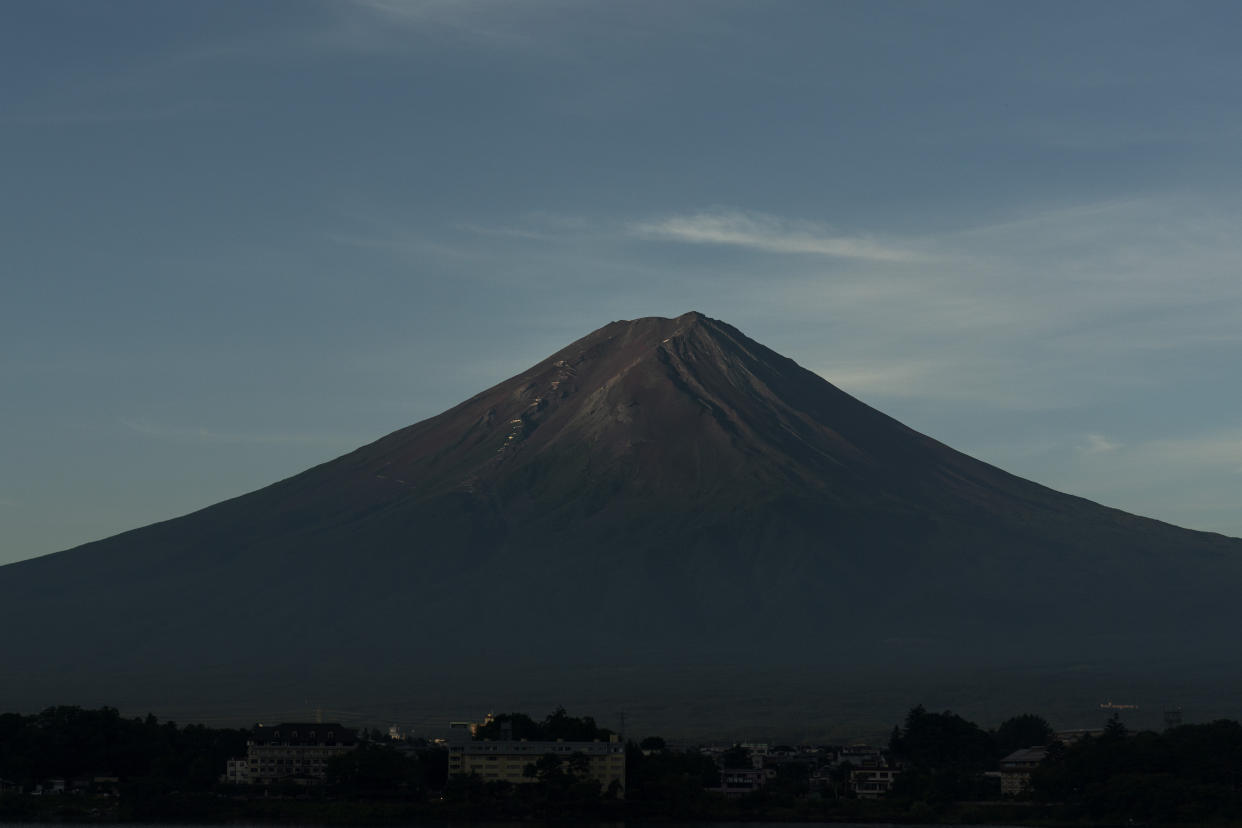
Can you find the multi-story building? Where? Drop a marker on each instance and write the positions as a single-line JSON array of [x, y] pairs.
[[295, 752], [506, 760]]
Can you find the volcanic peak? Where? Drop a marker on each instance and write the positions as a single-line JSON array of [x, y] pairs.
[[663, 490]]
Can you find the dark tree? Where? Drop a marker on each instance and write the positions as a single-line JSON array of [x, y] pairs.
[[840, 778], [1186, 775], [560, 725], [374, 768], [511, 726], [70, 741], [736, 757], [557, 725], [547, 769], [1115, 729], [945, 757], [669, 783], [944, 741], [1023, 731]]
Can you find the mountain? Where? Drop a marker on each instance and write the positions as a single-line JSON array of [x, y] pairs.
[[662, 498]]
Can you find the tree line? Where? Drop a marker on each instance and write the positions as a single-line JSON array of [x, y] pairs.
[[1188, 774], [70, 742]]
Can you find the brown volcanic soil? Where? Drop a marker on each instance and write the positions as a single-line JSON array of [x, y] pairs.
[[659, 492]]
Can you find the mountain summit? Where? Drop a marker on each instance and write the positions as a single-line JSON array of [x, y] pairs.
[[662, 492]]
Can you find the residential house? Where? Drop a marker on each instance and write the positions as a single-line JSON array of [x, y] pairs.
[[735, 782], [1015, 770]]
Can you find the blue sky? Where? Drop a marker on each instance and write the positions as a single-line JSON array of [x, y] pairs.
[[238, 239]]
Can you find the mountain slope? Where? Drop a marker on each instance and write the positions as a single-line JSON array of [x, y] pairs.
[[660, 490]]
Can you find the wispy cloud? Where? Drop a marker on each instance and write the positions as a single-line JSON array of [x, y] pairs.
[[541, 226], [1039, 311], [384, 25], [768, 233], [1098, 444], [509, 232], [1190, 479]]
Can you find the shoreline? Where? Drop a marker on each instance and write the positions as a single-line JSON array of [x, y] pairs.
[[286, 811]]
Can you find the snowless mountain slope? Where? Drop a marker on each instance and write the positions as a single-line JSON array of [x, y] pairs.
[[661, 492]]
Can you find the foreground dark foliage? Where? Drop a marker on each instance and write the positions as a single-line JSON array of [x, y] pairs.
[[1189, 774], [556, 725], [71, 743]]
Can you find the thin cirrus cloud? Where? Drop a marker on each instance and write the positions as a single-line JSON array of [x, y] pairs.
[[759, 231], [1188, 479], [378, 24], [1099, 444]]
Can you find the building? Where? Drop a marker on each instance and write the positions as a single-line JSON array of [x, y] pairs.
[[1015, 770], [296, 752], [861, 756], [871, 777], [506, 760], [872, 783], [735, 782], [758, 752], [237, 771]]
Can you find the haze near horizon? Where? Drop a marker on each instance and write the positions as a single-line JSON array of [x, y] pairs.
[[243, 239]]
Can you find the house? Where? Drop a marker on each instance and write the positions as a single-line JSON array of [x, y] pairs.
[[871, 777], [736, 782], [1015, 770], [295, 752], [861, 756], [784, 755]]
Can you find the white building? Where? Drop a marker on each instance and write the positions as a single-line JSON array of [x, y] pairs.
[[295, 752]]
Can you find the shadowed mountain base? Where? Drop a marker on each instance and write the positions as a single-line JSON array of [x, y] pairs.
[[664, 509]]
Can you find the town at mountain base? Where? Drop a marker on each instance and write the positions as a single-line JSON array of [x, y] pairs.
[[67, 764], [663, 509]]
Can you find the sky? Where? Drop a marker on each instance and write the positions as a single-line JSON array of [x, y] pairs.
[[238, 239]]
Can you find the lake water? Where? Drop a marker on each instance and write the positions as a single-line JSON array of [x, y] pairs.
[[557, 824]]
